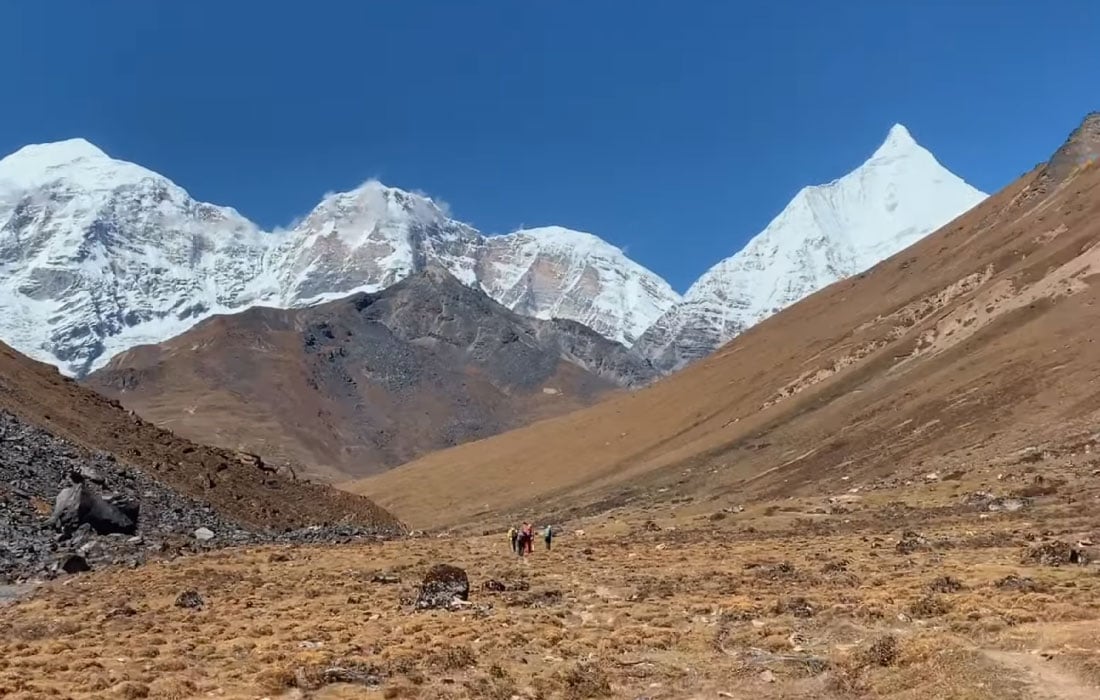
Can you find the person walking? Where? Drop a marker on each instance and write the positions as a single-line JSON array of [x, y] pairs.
[[527, 537], [547, 535], [513, 537]]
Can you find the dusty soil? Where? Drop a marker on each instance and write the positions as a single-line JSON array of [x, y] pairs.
[[899, 593], [975, 343]]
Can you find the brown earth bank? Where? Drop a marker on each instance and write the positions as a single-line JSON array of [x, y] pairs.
[[241, 487], [355, 386], [977, 586], [962, 350]]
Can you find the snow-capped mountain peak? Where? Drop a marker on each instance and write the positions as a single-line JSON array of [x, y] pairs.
[[555, 272], [373, 236], [562, 237], [48, 155], [355, 214], [390, 202], [98, 255], [364, 240], [898, 142], [76, 161], [827, 232]]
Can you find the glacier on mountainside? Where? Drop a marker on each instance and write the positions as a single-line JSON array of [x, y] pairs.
[[826, 233]]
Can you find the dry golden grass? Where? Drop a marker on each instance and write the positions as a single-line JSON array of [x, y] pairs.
[[753, 606], [971, 344]]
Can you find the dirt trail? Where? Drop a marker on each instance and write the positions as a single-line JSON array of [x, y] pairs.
[[1043, 678]]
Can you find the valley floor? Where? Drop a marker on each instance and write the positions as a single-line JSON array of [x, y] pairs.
[[893, 593]]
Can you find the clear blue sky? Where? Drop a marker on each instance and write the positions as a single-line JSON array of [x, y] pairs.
[[673, 129]]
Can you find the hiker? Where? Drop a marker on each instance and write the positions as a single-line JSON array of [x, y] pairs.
[[547, 535], [513, 535], [527, 537]]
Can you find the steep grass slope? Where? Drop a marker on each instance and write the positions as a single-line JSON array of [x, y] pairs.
[[976, 341]]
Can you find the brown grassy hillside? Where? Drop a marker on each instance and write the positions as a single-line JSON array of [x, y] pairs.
[[38, 394], [358, 385], [973, 343]]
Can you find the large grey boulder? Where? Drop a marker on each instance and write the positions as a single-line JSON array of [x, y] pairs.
[[78, 505], [72, 564]]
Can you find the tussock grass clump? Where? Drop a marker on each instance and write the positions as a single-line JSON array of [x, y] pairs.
[[455, 658], [1024, 584], [946, 584], [131, 691], [492, 687], [883, 651], [585, 681], [796, 606], [317, 676], [929, 606]]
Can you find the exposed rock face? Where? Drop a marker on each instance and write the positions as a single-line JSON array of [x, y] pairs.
[[134, 518], [1081, 150], [370, 381]]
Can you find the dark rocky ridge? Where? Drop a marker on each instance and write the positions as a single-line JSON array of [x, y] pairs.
[[432, 308], [35, 465], [239, 486], [361, 384]]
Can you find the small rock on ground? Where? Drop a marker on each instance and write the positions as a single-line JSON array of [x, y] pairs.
[[189, 599], [442, 585]]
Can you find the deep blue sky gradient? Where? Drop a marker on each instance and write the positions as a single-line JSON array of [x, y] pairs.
[[674, 129]]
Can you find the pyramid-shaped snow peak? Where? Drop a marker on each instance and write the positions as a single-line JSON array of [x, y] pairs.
[[898, 139], [827, 232]]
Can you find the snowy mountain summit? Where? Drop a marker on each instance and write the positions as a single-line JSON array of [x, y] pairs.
[[98, 255], [826, 233]]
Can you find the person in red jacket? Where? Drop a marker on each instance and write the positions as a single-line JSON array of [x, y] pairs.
[[528, 537]]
